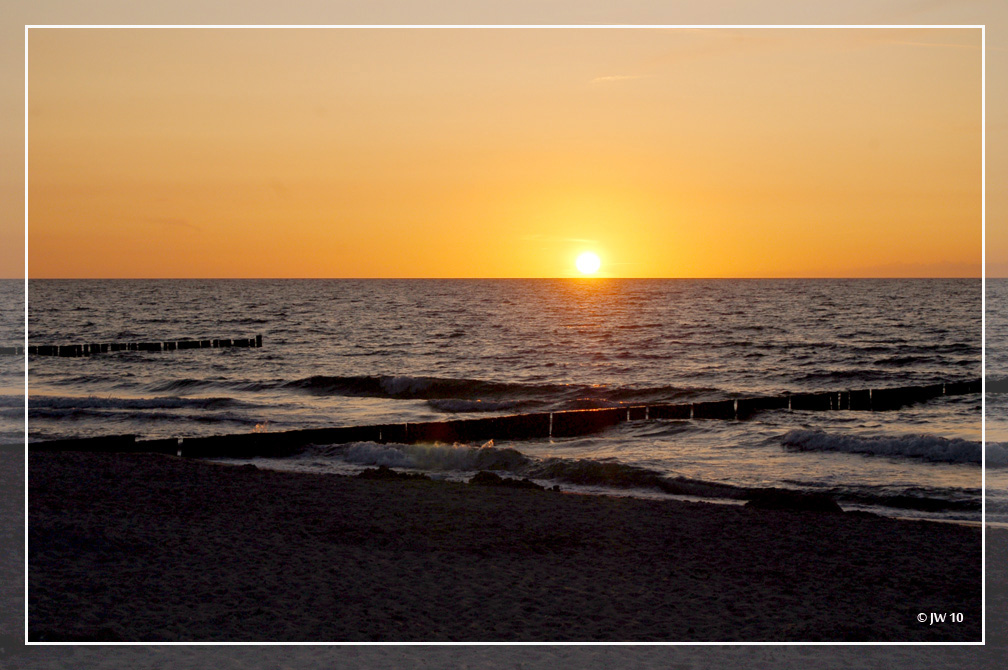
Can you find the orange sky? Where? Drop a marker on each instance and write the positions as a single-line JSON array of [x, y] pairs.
[[500, 153]]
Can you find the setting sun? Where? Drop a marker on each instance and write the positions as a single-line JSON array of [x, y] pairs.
[[588, 263], [631, 143]]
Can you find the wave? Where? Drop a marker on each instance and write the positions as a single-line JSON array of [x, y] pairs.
[[463, 458], [429, 456], [605, 473], [181, 385], [422, 388], [140, 419], [954, 500], [612, 473], [43, 402], [405, 387], [140, 411], [186, 385], [478, 405], [925, 447], [456, 390]]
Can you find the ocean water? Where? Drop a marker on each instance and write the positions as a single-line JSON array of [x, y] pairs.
[[352, 352]]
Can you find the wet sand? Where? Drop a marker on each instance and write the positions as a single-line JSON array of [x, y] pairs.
[[155, 548]]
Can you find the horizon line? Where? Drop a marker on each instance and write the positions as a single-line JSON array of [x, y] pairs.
[[413, 278]]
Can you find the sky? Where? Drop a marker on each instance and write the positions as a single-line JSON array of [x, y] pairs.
[[505, 153]]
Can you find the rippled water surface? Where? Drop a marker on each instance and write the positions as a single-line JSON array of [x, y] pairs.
[[339, 352]]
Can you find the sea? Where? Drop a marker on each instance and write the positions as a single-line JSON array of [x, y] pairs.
[[347, 352]]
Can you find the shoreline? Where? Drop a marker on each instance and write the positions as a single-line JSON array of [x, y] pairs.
[[637, 493], [141, 547]]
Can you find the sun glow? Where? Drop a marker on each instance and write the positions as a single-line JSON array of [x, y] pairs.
[[588, 263]]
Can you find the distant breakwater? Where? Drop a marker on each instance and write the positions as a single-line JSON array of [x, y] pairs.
[[538, 425], [90, 349]]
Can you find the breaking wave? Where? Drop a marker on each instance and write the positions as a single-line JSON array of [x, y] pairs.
[[602, 473], [464, 458], [461, 395], [925, 447], [434, 457]]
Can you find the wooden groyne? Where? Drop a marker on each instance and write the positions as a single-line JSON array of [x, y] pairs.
[[109, 347], [568, 423]]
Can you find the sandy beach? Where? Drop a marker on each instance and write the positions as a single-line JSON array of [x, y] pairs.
[[153, 548]]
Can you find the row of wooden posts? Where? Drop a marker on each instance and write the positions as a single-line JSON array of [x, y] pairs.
[[73, 350], [514, 427]]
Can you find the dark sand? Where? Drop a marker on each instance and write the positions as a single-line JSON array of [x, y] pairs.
[[150, 548]]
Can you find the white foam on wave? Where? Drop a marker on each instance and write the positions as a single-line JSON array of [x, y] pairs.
[[438, 457], [607, 473], [404, 385], [372, 453], [926, 447]]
